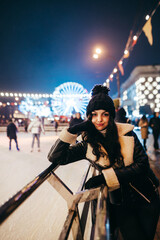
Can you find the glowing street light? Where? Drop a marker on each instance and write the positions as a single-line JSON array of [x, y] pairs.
[[116, 69], [98, 50], [95, 55]]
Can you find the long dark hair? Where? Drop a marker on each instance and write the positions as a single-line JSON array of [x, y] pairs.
[[110, 142]]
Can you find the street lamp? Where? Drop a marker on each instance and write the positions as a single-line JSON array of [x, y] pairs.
[[95, 55], [115, 70], [98, 50]]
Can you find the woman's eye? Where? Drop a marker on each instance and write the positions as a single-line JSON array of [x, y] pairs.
[[106, 114], [94, 114]]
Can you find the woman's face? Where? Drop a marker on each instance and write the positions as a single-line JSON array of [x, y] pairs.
[[100, 119]]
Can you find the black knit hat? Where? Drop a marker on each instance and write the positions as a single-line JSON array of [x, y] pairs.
[[101, 100]]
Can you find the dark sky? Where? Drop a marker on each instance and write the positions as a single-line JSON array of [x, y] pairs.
[[44, 43]]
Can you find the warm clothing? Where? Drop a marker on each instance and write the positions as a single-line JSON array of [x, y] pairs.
[[12, 134], [101, 100], [143, 124], [36, 126], [12, 131], [121, 116], [128, 208], [75, 121], [135, 160], [155, 125]]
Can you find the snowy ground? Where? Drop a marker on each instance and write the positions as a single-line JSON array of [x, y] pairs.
[[42, 215]]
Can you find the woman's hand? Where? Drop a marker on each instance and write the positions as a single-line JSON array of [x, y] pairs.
[[85, 126], [95, 182]]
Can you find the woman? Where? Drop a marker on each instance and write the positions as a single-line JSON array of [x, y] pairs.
[[143, 124], [115, 148]]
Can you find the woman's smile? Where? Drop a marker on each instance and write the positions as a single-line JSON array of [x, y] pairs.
[[100, 119]]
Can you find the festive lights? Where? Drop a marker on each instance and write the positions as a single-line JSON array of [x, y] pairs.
[[134, 37], [95, 55], [69, 97], [98, 50], [147, 92], [132, 40], [147, 17], [150, 79]]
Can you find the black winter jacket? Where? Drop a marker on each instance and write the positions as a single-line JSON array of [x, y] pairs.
[[12, 131], [134, 177]]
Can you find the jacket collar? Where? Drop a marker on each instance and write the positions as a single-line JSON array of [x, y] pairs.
[[124, 128]]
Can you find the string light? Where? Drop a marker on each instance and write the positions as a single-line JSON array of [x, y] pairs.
[[95, 55], [111, 76], [115, 70], [130, 44], [98, 50], [147, 17], [126, 52], [134, 37]]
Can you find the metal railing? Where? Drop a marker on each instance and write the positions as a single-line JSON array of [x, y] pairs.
[[73, 221]]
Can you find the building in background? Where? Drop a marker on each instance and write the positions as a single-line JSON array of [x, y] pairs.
[[141, 91]]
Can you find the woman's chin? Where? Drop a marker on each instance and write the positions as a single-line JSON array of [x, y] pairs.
[[100, 128]]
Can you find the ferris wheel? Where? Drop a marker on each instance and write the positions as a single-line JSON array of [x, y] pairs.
[[70, 97]]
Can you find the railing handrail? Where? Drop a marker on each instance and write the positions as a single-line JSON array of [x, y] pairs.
[[15, 201], [73, 220]]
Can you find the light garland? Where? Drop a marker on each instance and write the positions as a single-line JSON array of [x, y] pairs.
[[131, 42]]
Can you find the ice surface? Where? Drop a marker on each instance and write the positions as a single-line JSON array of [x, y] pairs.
[[42, 215]]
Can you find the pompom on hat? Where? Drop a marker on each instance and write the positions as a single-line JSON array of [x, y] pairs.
[[101, 100]]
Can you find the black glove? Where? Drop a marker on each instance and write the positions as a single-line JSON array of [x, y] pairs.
[[85, 126], [95, 182]]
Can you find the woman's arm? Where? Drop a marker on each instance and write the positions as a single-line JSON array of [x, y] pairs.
[[63, 153]]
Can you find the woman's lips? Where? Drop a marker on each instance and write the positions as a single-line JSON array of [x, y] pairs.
[[100, 125]]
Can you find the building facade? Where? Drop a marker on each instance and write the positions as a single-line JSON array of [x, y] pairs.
[[141, 91]]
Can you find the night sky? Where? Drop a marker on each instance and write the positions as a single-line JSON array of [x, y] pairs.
[[44, 43]]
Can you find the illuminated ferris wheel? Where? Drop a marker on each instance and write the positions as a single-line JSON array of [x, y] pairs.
[[70, 97]]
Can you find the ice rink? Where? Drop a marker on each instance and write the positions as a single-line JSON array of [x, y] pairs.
[[42, 215]]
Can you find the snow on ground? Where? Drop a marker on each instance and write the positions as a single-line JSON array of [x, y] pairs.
[[42, 215]]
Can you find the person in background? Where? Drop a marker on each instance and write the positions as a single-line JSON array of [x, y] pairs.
[[56, 124], [123, 166], [121, 116], [12, 134], [16, 123], [143, 124], [154, 123], [26, 124], [36, 128]]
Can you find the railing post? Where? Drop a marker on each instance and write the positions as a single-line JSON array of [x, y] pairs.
[[76, 226], [102, 231]]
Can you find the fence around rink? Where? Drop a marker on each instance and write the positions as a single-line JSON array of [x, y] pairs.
[[101, 228]]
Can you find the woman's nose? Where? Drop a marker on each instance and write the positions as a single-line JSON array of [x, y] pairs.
[[99, 118]]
